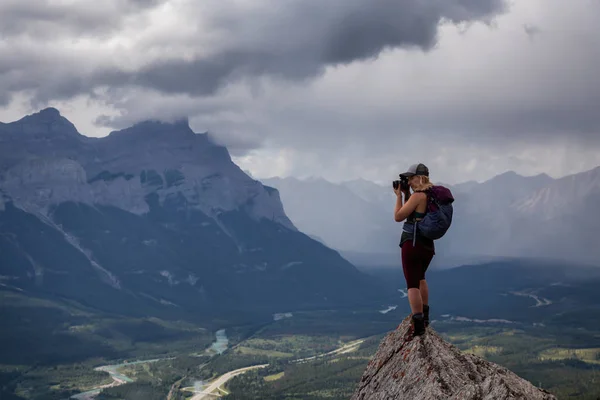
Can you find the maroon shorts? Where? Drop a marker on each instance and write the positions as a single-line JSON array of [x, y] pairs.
[[415, 261]]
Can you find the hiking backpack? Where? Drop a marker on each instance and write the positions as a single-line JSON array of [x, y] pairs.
[[438, 218]]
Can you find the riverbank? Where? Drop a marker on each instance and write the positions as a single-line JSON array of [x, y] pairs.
[[212, 389], [218, 347]]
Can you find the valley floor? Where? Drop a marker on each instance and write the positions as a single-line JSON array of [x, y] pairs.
[[266, 365], [545, 330], [548, 358]]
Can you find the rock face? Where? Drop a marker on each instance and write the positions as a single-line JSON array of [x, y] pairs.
[[428, 368], [155, 220], [44, 161]]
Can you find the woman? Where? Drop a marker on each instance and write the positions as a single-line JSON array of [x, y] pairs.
[[417, 251]]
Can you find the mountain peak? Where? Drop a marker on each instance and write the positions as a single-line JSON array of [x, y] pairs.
[[46, 123], [428, 367], [152, 125], [543, 175], [508, 175], [45, 116], [179, 122], [49, 113]]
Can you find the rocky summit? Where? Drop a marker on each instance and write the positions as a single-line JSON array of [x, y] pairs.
[[427, 368]]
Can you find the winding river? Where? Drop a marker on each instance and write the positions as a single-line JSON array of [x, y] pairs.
[[218, 346]]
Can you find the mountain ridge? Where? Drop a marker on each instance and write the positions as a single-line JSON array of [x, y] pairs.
[[508, 215], [158, 218], [119, 155]]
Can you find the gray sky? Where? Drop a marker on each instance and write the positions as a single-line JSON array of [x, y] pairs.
[[338, 88]]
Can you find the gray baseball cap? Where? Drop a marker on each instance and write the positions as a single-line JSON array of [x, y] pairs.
[[416, 169]]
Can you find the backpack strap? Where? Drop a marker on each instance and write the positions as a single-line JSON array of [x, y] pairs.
[[415, 234], [431, 199]]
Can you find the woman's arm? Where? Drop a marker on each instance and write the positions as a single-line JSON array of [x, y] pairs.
[[401, 212]]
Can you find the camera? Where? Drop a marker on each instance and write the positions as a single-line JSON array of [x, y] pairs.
[[403, 183]]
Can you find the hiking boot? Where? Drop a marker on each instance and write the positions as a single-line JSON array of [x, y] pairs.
[[426, 314], [418, 324]]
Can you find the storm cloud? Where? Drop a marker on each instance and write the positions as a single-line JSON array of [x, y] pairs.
[[292, 40], [342, 88], [50, 19]]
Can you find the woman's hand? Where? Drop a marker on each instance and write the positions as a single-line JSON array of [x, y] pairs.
[[398, 191]]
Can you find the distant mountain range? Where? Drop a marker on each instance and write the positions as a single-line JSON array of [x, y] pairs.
[[339, 214], [507, 216], [159, 219], [154, 220]]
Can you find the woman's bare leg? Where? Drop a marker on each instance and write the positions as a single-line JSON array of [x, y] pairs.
[[424, 289], [415, 300]]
